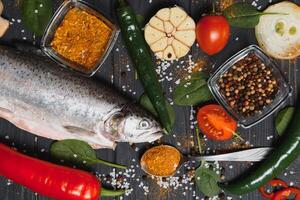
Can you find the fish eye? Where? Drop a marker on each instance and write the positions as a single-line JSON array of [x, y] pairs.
[[144, 124]]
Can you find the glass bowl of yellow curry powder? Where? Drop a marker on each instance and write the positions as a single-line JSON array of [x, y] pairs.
[[79, 38]]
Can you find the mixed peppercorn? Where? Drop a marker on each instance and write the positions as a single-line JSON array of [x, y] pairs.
[[249, 85]]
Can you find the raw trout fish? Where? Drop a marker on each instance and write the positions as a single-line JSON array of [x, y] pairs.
[[46, 100]]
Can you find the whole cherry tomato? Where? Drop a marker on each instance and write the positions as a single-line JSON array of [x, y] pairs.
[[212, 33], [275, 183], [215, 123]]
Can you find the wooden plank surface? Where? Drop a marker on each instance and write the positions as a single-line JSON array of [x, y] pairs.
[[118, 70]]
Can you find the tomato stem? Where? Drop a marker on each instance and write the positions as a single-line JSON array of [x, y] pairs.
[[213, 7], [121, 3], [111, 193], [198, 140], [111, 164], [136, 76], [235, 134]]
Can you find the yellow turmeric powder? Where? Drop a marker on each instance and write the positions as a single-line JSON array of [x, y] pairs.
[[161, 160], [81, 38]]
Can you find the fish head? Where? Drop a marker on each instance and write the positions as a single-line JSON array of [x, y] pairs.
[[134, 125]]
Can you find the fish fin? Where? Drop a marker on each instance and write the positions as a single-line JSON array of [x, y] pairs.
[[83, 133], [5, 113], [79, 131]]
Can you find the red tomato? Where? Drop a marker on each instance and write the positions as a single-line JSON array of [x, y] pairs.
[[286, 193], [215, 123], [212, 33], [275, 183]]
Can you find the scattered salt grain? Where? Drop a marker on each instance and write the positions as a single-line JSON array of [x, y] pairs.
[[9, 182]]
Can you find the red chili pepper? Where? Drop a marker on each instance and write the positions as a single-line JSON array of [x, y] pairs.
[[273, 183], [285, 193], [48, 179]]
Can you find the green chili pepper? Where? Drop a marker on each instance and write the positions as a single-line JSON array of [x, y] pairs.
[[142, 60], [284, 154]]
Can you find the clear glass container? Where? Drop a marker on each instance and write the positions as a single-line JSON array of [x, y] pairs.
[[55, 23], [281, 95]]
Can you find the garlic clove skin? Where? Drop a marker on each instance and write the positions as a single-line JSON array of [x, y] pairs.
[[159, 54], [169, 54], [168, 28], [177, 16], [180, 49], [4, 24], [1, 7], [187, 24], [186, 37], [159, 45], [152, 34], [157, 23], [164, 14]]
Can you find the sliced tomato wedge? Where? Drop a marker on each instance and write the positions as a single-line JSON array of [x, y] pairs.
[[275, 185], [287, 193], [215, 123]]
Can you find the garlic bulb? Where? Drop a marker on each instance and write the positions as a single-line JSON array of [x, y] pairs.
[[4, 24], [279, 34], [1, 7], [170, 33]]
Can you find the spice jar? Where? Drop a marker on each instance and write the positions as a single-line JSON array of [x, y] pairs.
[[249, 86], [79, 38]]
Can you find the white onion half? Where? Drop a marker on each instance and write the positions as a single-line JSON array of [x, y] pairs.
[[279, 34]]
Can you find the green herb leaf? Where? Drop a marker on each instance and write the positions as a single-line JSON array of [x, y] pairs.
[[141, 20], [36, 14], [283, 118], [243, 15], [207, 181], [77, 152], [193, 91], [146, 103]]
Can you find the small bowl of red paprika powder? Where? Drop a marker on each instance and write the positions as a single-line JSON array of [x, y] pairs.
[[249, 85]]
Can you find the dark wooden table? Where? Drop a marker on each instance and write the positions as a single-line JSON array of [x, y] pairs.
[[261, 135]]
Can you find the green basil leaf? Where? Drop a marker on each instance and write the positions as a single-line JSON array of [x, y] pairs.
[[207, 181], [36, 14], [146, 103], [193, 91], [78, 153], [283, 118], [243, 15]]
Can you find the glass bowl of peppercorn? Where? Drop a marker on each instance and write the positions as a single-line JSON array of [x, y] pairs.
[[249, 86]]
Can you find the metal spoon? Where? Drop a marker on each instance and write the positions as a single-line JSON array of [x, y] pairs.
[[249, 155]]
